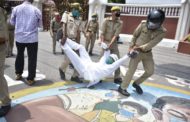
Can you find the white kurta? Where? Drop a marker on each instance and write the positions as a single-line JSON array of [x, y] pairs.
[[89, 70]]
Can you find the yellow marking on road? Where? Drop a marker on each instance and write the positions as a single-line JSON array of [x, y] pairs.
[[174, 89], [167, 88], [27, 91]]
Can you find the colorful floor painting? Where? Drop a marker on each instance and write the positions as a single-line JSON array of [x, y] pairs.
[[62, 102]]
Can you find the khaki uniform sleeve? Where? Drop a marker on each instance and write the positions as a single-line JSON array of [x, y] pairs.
[[51, 25], [3, 25], [51, 28], [87, 26], [118, 31], [103, 29], [64, 17], [135, 35], [154, 42], [63, 28]]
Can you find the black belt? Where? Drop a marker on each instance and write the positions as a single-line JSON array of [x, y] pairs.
[[72, 39], [146, 51], [91, 31]]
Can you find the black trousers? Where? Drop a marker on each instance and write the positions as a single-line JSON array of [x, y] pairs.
[[32, 49]]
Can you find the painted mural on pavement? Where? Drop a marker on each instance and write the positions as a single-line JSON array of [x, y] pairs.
[[63, 101]]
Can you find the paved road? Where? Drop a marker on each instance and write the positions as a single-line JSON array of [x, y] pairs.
[[171, 80], [168, 62]]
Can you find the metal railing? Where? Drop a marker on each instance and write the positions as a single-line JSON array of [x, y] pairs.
[[143, 10]]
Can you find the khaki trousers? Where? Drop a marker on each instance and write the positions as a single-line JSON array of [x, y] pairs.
[[4, 94], [90, 39], [54, 41], [148, 64], [10, 43]]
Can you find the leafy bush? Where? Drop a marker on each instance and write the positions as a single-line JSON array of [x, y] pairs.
[[188, 38]]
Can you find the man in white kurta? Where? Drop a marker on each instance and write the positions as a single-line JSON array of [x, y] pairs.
[[89, 70]]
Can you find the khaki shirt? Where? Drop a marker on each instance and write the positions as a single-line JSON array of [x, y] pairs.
[[74, 26], [146, 39], [111, 28], [92, 26], [3, 25], [54, 25]]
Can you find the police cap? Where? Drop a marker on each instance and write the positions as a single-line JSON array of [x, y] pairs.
[[115, 8], [75, 5], [94, 15]]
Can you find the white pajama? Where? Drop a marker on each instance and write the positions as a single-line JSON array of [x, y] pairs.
[[89, 70]]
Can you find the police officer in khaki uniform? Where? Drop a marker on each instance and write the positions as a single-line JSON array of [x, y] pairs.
[[110, 30], [10, 44], [54, 26], [71, 29], [92, 33], [146, 36], [4, 94], [11, 29]]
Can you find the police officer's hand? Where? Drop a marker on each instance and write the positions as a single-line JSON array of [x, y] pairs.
[[137, 48], [109, 46], [129, 50], [133, 53]]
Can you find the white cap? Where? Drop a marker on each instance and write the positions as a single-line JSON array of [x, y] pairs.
[[114, 56]]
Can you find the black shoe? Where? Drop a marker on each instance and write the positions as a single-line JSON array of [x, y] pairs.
[[12, 54], [118, 80], [18, 77], [62, 74], [4, 110], [138, 88], [71, 66], [123, 92], [90, 53], [30, 82], [76, 79], [100, 81]]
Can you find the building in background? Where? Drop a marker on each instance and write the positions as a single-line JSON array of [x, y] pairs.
[[133, 11]]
